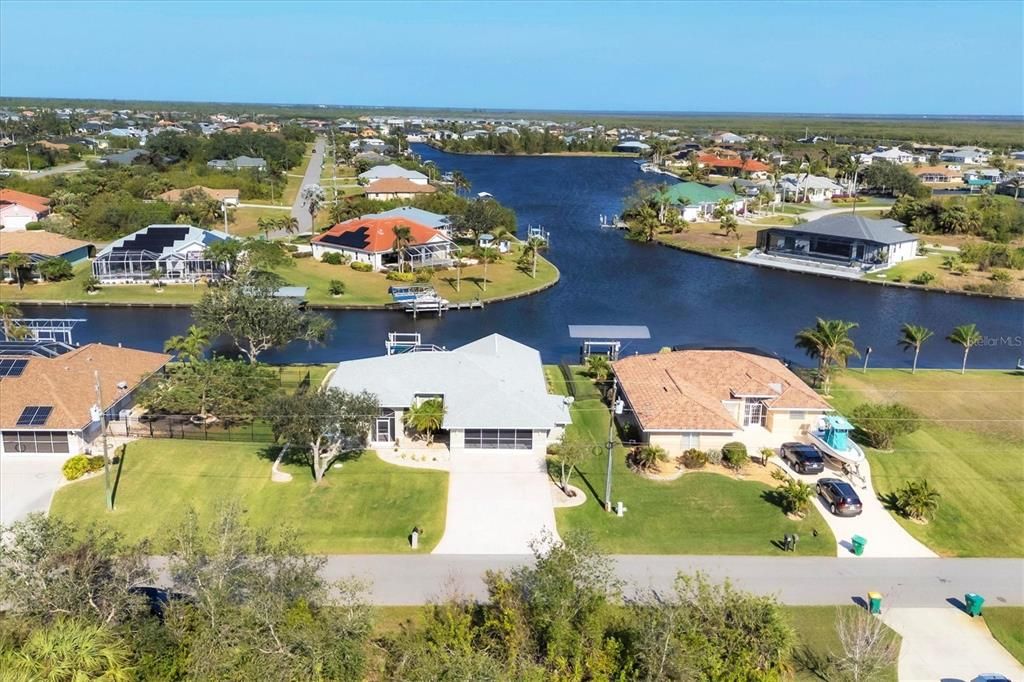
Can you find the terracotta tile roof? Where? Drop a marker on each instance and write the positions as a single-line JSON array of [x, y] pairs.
[[67, 383], [398, 186], [376, 235], [31, 201], [750, 165], [39, 242], [684, 390], [215, 194]]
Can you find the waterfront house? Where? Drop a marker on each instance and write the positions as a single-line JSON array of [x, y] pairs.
[[371, 239], [437, 221], [704, 399], [386, 189], [848, 239], [18, 209], [733, 165], [228, 197], [936, 175], [49, 406], [632, 146], [39, 246], [698, 202], [392, 171], [493, 391], [176, 252], [803, 187]]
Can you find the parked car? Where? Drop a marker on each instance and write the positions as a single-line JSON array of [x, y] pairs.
[[840, 496], [803, 458]]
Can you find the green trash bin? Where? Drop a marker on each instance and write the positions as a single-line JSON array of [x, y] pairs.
[[874, 602], [974, 602], [858, 544]]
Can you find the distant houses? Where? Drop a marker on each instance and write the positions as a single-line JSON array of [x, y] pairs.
[[804, 187], [238, 163], [937, 175], [734, 166], [18, 209], [968, 155], [846, 239]]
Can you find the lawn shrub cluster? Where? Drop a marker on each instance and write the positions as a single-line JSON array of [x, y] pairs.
[[923, 279], [396, 276], [734, 455], [693, 459], [646, 458], [336, 287], [333, 258], [359, 266], [80, 465], [878, 424]]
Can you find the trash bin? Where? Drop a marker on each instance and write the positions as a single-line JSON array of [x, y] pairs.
[[874, 602], [974, 602], [858, 544]]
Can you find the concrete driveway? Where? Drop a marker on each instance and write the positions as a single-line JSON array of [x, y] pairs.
[[885, 536], [497, 504], [26, 485]]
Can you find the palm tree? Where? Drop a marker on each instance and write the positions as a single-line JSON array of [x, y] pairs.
[[69, 650], [531, 249], [460, 181], [968, 336], [289, 224], [1015, 182], [917, 499], [426, 417], [830, 343], [189, 348], [313, 197], [16, 262], [9, 312], [403, 239], [598, 367], [913, 337], [266, 225]]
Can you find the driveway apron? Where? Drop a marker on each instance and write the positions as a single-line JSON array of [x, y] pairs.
[[27, 485]]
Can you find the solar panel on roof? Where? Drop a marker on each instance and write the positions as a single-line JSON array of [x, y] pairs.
[[34, 415], [354, 239], [12, 368], [154, 239]]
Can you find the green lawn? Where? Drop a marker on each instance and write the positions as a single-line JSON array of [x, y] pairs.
[[71, 291], [699, 513], [367, 506], [1007, 626], [971, 449]]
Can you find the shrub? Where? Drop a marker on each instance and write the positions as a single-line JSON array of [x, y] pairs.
[[766, 454], [55, 269], [994, 288], [336, 287], [332, 258], [291, 248], [646, 458], [424, 275], [302, 254], [693, 459], [794, 496], [917, 500], [75, 467], [359, 266], [734, 455], [396, 276], [91, 284], [714, 457], [96, 462], [924, 279], [1000, 276], [878, 424], [35, 225]]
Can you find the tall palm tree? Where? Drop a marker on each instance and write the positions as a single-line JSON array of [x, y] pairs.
[[968, 336], [461, 182], [531, 249], [9, 312], [16, 263], [829, 342], [289, 224], [913, 337], [189, 348], [313, 197], [403, 239], [427, 417], [266, 225]]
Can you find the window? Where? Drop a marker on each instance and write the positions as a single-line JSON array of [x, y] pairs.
[[798, 415], [43, 442], [691, 440], [499, 439]]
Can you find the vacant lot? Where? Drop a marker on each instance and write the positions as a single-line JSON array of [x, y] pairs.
[[970, 448], [366, 506]]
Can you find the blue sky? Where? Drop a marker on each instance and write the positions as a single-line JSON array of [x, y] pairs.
[[821, 57]]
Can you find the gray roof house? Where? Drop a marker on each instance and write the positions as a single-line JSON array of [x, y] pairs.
[[238, 163], [493, 390], [845, 239], [393, 170], [125, 158], [417, 215]]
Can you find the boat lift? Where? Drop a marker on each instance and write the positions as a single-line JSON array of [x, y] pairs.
[[417, 299], [49, 329], [605, 339], [408, 342], [538, 232]]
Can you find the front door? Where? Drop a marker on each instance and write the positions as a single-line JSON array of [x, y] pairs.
[[384, 427], [753, 413]]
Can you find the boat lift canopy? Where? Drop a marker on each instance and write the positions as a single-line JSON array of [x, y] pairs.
[[605, 339]]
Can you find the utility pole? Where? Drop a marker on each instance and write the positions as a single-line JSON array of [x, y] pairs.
[[224, 210], [610, 444], [103, 435]]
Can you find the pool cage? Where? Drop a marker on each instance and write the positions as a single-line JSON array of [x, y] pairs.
[[136, 266]]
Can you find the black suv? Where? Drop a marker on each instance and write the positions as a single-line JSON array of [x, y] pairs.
[[840, 496], [804, 459]]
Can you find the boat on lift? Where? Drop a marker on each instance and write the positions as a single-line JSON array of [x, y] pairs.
[[832, 436]]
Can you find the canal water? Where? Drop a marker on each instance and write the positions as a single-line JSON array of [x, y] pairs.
[[684, 299]]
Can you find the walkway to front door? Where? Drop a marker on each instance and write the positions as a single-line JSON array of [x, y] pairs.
[[498, 502]]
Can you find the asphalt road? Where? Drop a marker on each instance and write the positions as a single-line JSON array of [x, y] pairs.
[[73, 167], [311, 177], [909, 583]]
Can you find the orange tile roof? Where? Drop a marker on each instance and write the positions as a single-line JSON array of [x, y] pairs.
[[398, 186], [38, 242], [379, 233], [684, 390], [31, 201], [750, 165], [67, 382]]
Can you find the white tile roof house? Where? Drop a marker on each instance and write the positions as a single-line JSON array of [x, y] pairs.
[[493, 389]]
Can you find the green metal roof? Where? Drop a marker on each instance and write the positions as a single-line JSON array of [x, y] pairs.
[[696, 193]]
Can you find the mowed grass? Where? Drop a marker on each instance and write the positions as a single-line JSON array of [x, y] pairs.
[[970, 448], [366, 506], [1007, 625], [699, 513], [72, 290]]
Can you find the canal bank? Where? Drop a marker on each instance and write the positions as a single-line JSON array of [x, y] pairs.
[[683, 298]]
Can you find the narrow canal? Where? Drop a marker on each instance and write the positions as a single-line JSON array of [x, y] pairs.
[[684, 299]]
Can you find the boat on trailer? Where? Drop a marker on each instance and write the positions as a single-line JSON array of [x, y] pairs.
[[832, 436]]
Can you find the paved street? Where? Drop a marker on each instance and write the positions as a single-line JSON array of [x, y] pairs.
[[311, 177], [908, 583], [73, 167]]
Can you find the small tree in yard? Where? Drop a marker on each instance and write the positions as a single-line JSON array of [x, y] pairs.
[[56, 269], [869, 648], [427, 417], [91, 284], [794, 495], [323, 423], [569, 454], [734, 455], [917, 500], [878, 424], [646, 458], [598, 367]]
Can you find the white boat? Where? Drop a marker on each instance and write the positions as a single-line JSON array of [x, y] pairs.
[[832, 436]]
